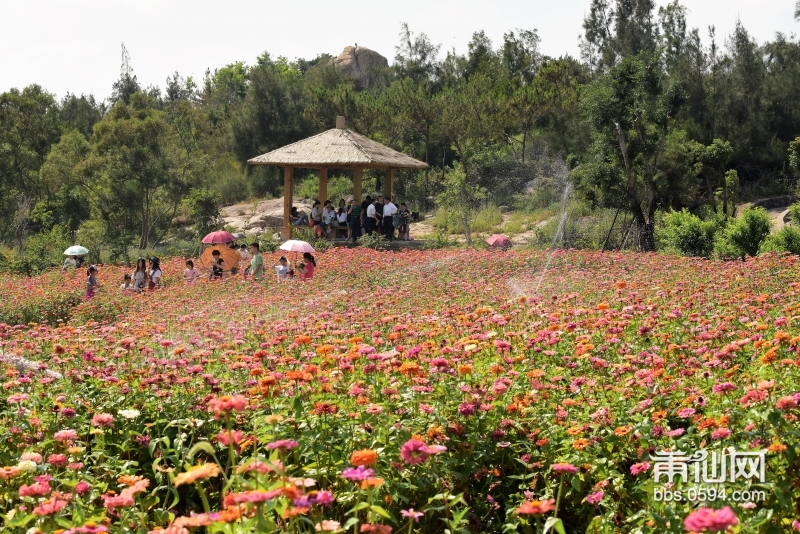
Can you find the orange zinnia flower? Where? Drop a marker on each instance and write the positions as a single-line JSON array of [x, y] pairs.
[[129, 480], [372, 482], [197, 472], [580, 444], [536, 507], [365, 457]]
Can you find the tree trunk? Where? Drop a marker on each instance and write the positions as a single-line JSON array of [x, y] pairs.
[[465, 217], [145, 220], [647, 241]]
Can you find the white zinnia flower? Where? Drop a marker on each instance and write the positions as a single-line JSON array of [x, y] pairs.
[[27, 465], [129, 414]]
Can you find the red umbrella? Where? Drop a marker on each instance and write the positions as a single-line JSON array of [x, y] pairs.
[[499, 240], [220, 236]]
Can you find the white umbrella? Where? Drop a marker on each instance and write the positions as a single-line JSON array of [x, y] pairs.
[[76, 250]]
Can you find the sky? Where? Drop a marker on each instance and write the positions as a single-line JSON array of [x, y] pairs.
[[74, 46]]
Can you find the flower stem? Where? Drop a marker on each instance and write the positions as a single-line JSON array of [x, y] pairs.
[[560, 490]]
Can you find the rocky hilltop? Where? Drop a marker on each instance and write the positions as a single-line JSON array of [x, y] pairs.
[[361, 64]]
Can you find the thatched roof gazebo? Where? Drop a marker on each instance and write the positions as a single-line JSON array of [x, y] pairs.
[[338, 148]]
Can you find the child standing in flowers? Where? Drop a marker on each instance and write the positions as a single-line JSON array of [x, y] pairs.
[[91, 282], [216, 265], [282, 269], [190, 274], [127, 283]]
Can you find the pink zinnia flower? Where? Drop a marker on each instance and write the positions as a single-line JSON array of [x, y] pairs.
[[49, 507], [414, 451], [724, 387], [564, 468], [252, 496], [227, 403], [117, 501], [357, 474], [640, 468], [720, 433], [324, 498], [103, 419], [594, 498], [87, 529], [786, 403], [65, 435], [59, 460], [38, 489], [412, 514], [466, 409], [34, 457], [82, 487], [283, 444], [226, 438], [686, 412], [710, 520]]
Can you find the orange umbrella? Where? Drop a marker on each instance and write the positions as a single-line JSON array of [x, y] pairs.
[[230, 258]]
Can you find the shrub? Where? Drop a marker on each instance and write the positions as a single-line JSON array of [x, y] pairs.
[[794, 214], [203, 207], [744, 236], [232, 187], [786, 240], [687, 233], [487, 219], [42, 251], [373, 241]]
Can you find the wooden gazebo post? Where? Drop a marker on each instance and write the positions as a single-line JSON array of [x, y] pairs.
[[388, 187], [323, 185], [288, 187], [358, 174]]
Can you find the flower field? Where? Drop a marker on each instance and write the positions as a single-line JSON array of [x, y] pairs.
[[426, 391]]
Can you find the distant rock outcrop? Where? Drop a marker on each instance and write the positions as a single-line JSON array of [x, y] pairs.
[[361, 64]]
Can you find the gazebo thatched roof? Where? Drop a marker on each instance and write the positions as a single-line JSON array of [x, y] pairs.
[[338, 147]]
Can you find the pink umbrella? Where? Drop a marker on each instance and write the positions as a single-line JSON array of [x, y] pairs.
[[499, 240], [220, 236], [295, 245]]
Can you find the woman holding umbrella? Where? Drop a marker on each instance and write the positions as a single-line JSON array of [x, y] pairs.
[[307, 267], [74, 255], [69, 262]]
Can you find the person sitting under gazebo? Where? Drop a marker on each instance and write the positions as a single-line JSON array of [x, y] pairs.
[[298, 218]]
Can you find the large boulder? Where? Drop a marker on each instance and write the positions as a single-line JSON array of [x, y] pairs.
[[361, 64]]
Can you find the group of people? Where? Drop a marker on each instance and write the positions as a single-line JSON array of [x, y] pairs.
[[144, 277], [303, 270], [380, 215], [149, 276], [253, 263]]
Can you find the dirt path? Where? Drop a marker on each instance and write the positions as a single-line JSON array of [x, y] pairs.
[[777, 208]]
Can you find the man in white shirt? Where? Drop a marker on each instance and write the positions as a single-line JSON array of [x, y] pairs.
[[328, 216], [370, 222], [389, 209]]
